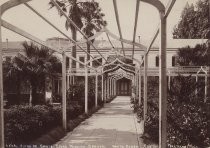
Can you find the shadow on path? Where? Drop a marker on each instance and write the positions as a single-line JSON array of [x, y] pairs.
[[114, 126]]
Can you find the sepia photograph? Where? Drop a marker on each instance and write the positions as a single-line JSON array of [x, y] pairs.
[[104, 73]]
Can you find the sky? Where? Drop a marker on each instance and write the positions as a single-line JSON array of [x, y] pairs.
[[148, 20]]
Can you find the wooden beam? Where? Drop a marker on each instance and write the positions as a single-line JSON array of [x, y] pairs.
[[169, 7], [1, 92], [11, 3], [156, 3], [35, 39], [121, 39], [167, 12], [64, 114], [51, 24], [118, 23], [26, 35], [135, 24], [109, 40]]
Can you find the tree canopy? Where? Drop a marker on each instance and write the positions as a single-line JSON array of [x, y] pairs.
[[194, 22], [87, 15], [33, 66], [194, 56]]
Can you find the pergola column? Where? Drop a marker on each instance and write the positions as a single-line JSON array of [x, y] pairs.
[[206, 88], [162, 84], [134, 86], [67, 84], [1, 91], [105, 90], [196, 89], [145, 86], [110, 88], [96, 91], [64, 114], [169, 82], [133, 79], [115, 87], [102, 87], [139, 87], [86, 90]]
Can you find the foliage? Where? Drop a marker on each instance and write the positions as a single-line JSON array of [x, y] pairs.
[[34, 66], [86, 15], [194, 23], [197, 56], [76, 92], [25, 123], [187, 116]]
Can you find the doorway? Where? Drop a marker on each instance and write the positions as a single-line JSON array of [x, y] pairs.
[[124, 87]]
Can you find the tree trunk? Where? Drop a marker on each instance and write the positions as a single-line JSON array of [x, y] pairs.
[[88, 55], [74, 52], [88, 50]]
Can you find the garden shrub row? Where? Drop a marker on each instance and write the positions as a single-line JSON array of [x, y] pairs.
[[24, 123], [187, 115]]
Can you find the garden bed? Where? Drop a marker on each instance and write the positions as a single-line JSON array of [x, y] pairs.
[[187, 115]]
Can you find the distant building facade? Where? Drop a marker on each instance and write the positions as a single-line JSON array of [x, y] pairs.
[[11, 49]]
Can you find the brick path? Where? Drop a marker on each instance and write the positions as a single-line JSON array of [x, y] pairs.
[[114, 126]]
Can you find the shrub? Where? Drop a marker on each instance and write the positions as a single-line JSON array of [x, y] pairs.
[[25, 123], [187, 114], [76, 92]]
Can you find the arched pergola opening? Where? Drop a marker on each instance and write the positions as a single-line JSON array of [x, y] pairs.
[[107, 70]]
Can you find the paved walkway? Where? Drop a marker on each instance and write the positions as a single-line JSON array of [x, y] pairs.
[[114, 126]]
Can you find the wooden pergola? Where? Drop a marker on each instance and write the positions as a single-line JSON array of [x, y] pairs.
[[111, 81]]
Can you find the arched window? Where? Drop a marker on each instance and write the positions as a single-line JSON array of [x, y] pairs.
[[157, 61]]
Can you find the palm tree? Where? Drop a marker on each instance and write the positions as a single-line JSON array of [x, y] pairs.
[[92, 21], [85, 15], [35, 66], [75, 15]]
